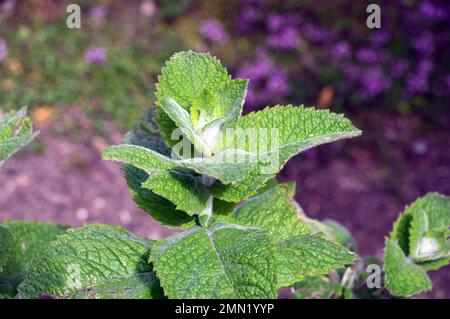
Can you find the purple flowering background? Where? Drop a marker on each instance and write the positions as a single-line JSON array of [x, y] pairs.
[[86, 87]]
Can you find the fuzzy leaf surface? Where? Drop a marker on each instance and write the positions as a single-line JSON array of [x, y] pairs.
[[146, 134], [183, 79], [229, 166], [301, 256], [26, 241], [273, 210], [6, 243], [275, 134], [16, 131], [222, 261], [403, 277], [429, 227], [98, 257]]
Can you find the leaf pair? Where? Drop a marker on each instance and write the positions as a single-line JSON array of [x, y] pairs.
[[419, 242], [262, 247]]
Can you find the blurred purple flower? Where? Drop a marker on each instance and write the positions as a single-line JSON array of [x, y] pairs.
[[425, 66], [95, 55], [98, 13], [315, 33], [367, 55], [417, 83], [380, 37], [431, 11], [341, 50], [275, 22], [373, 83], [277, 83], [268, 82], [424, 43], [286, 38], [214, 31], [3, 49], [399, 68]]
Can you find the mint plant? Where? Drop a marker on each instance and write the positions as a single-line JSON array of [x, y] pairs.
[[418, 243], [196, 163]]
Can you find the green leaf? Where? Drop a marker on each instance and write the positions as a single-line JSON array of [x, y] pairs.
[[317, 287], [135, 286], [181, 188], [297, 254], [275, 134], [402, 276], [228, 166], [146, 134], [298, 257], [223, 261], [204, 110], [16, 131], [6, 242], [29, 240], [434, 264], [226, 105], [231, 98], [26, 241], [182, 120], [157, 206], [221, 207], [184, 78], [340, 234], [400, 231], [273, 210], [100, 257], [429, 228]]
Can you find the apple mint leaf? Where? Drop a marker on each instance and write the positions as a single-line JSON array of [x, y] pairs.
[[16, 131], [434, 264], [29, 240], [401, 230], [146, 134], [104, 258], [222, 261], [273, 210], [301, 256], [317, 287], [402, 276], [24, 242], [276, 134], [229, 166], [340, 234], [135, 286], [429, 229], [204, 110], [183, 79], [222, 207], [6, 242], [181, 188], [182, 120], [231, 98], [418, 242], [157, 206]]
